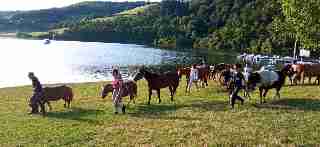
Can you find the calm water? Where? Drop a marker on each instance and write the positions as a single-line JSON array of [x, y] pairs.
[[72, 61]]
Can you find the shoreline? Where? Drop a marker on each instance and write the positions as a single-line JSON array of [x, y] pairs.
[[56, 84], [8, 35]]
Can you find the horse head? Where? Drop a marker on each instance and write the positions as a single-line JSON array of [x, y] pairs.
[[287, 70], [105, 90], [183, 71], [252, 80], [139, 73]]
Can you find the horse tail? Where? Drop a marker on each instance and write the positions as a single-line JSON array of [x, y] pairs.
[[135, 89], [70, 94]]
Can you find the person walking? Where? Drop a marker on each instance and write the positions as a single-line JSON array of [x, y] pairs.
[[194, 77], [237, 86], [117, 84], [37, 97]]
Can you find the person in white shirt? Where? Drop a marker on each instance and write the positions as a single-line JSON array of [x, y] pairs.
[[194, 77]]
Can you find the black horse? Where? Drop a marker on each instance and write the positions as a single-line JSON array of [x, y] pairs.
[[159, 81], [267, 80]]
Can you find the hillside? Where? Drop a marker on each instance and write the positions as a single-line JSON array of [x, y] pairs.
[[255, 26], [216, 24], [43, 20]]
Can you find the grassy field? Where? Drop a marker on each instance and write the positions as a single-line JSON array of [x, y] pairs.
[[197, 119]]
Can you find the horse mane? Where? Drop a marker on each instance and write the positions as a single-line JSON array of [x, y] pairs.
[[149, 75]]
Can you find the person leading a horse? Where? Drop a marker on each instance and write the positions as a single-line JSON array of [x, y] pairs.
[[117, 84], [37, 97], [237, 86]]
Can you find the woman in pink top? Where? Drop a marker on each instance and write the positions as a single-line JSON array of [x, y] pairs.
[[117, 89]]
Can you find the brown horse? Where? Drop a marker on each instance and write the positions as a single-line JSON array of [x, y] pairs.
[[159, 81], [56, 93], [184, 72], [129, 89]]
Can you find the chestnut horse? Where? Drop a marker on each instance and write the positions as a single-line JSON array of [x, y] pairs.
[[56, 93], [129, 89], [159, 81]]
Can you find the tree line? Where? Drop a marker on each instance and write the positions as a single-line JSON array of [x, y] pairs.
[[255, 26]]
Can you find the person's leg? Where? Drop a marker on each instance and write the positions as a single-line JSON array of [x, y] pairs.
[[233, 100], [120, 107], [197, 85], [114, 99], [34, 104], [189, 85], [239, 98]]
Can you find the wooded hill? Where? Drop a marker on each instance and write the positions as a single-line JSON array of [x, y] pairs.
[[43, 20], [256, 26]]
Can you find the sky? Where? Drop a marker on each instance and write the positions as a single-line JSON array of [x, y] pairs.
[[12, 5]]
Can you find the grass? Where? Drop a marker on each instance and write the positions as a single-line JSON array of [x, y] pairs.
[[195, 119], [137, 11]]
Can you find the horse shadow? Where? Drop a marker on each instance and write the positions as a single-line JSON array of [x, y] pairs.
[[78, 114], [164, 111], [305, 104]]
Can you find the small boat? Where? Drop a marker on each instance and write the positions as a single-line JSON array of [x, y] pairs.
[[47, 41]]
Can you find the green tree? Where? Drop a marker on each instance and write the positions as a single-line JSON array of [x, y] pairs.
[[303, 20]]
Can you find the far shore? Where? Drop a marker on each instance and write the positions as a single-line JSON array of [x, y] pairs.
[[57, 84], [7, 35]]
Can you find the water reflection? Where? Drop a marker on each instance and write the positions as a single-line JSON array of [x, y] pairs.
[[72, 61]]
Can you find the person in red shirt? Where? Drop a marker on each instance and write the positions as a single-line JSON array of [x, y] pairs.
[[117, 83]]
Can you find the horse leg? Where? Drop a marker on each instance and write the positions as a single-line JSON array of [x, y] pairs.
[[187, 85], [310, 79], [43, 108], [171, 92], [302, 78], [132, 99], [278, 93], [150, 92], [260, 90], [65, 103], [206, 81], [49, 105], [265, 94], [158, 91], [69, 102], [291, 80]]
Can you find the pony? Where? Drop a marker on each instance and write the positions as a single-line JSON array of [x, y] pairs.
[[305, 70], [267, 80], [159, 81], [129, 89], [56, 93]]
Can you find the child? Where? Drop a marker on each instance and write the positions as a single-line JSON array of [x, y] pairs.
[[194, 77], [117, 89]]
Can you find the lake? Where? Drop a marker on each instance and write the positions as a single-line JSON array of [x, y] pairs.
[[74, 62]]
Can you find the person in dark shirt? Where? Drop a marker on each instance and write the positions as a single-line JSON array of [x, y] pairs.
[[37, 97], [226, 75], [237, 86]]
